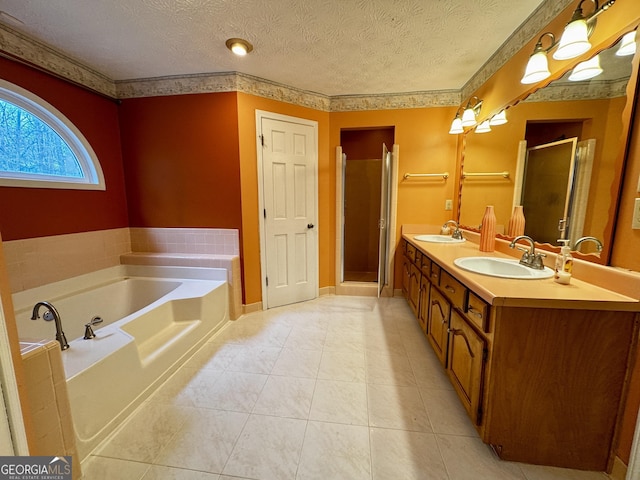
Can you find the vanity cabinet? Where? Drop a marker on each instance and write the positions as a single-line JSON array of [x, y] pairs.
[[411, 276], [438, 324], [542, 382], [465, 365]]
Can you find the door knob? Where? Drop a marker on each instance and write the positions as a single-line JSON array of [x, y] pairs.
[[309, 225]]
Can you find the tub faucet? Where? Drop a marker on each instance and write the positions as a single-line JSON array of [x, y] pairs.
[[51, 314], [589, 239], [457, 234], [529, 258]]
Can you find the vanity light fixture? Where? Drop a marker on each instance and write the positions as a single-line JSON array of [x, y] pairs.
[[471, 111], [586, 70], [575, 37], [538, 64], [627, 45], [499, 118], [239, 46], [484, 127], [456, 125]]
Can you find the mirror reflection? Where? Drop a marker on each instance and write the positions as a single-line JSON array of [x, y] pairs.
[[564, 196]]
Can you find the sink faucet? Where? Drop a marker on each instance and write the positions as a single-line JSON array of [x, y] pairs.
[[51, 314], [589, 239], [457, 234], [529, 258]]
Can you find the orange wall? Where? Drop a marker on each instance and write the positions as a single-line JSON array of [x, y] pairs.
[[424, 147], [250, 239], [37, 212], [181, 161]]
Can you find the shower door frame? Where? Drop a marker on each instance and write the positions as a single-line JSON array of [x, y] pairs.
[[360, 288]]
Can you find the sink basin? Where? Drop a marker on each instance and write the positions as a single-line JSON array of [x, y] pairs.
[[438, 239], [501, 267]]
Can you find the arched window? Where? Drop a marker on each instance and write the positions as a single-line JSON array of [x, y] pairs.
[[40, 147]]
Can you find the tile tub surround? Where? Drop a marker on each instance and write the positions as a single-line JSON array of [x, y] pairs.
[[219, 241], [34, 262], [279, 416], [49, 401]]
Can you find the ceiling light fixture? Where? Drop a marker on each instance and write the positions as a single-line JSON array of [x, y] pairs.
[[575, 37], [471, 111], [239, 46], [586, 70], [499, 118], [538, 64], [627, 45]]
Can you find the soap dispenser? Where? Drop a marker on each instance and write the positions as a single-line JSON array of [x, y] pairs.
[[564, 263]]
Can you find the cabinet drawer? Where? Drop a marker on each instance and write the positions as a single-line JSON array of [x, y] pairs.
[[418, 259], [478, 312], [454, 290], [434, 274], [411, 252], [425, 265]]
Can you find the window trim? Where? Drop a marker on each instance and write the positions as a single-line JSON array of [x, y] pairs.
[[93, 177]]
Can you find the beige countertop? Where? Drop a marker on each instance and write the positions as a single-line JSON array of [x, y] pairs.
[[542, 293]]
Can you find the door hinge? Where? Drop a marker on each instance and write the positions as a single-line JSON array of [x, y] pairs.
[[485, 354], [264, 213], [267, 280], [480, 413], [262, 140]]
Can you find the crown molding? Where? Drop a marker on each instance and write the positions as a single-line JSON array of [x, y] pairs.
[[33, 52], [19, 46], [529, 29]]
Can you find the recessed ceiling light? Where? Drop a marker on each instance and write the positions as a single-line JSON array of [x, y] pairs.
[[239, 46], [6, 18]]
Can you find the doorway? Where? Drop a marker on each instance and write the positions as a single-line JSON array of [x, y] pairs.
[[365, 170]]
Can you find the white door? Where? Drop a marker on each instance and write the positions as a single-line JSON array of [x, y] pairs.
[[288, 154]]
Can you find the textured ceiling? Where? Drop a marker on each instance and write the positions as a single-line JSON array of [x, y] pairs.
[[333, 47]]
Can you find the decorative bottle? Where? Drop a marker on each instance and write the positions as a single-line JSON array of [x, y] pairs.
[[488, 230], [516, 222]]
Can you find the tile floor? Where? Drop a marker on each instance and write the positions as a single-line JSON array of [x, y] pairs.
[[335, 388]]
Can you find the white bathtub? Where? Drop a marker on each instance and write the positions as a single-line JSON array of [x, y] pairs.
[[154, 317]]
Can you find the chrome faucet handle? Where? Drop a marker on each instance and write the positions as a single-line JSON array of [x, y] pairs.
[[457, 234], [88, 331], [537, 262]]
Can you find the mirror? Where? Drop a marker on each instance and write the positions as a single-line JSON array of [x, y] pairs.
[[593, 111]]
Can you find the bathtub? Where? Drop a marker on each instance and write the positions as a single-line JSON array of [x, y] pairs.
[[153, 319]]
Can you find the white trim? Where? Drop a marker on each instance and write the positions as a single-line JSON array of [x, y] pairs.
[[633, 470], [87, 158], [260, 115], [10, 388]]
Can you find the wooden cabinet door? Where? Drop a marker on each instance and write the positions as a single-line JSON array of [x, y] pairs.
[[466, 364], [414, 288], [423, 307], [439, 309], [406, 274]]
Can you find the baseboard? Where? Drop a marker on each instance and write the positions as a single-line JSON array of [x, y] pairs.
[[397, 292], [252, 307], [619, 470], [331, 290]]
